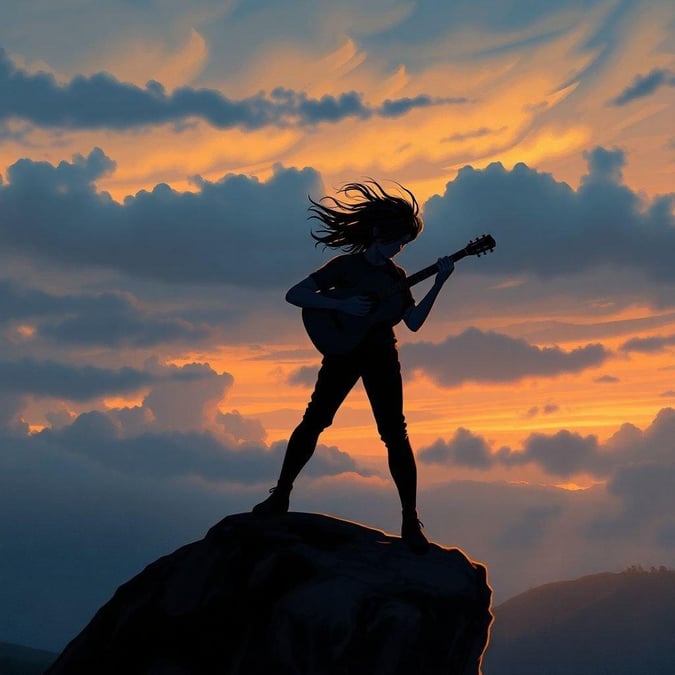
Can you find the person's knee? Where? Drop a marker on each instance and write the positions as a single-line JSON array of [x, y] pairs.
[[314, 423], [394, 434]]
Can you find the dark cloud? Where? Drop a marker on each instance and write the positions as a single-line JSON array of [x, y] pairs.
[[463, 449], [402, 106], [565, 453], [242, 429], [646, 345], [305, 376], [607, 379], [478, 356], [547, 229], [645, 85], [29, 376], [162, 454], [109, 319], [547, 409], [101, 101], [44, 378], [233, 231]]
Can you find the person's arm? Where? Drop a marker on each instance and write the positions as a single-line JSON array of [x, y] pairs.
[[415, 317], [305, 294]]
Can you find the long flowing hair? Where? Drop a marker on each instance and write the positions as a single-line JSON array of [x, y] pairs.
[[367, 213]]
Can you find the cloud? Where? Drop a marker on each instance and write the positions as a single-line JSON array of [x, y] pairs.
[[531, 527], [478, 356], [177, 398], [564, 454], [547, 229], [233, 231], [188, 399], [304, 376], [33, 377], [402, 106], [107, 319], [474, 133], [645, 85], [101, 101], [607, 379], [547, 409], [646, 345], [242, 429], [463, 449]]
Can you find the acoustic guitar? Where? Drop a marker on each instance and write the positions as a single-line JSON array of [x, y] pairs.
[[335, 332]]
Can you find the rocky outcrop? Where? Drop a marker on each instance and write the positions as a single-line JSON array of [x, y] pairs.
[[302, 594]]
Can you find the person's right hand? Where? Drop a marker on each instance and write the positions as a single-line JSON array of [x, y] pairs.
[[357, 305]]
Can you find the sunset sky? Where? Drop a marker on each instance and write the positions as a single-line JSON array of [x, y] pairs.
[[156, 158]]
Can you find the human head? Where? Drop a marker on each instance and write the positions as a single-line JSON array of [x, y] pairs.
[[367, 213]]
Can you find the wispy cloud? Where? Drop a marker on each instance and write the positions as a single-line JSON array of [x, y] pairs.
[[101, 101], [645, 85], [646, 345]]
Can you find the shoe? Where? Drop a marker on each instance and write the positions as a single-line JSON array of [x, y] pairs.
[[275, 505], [412, 534]]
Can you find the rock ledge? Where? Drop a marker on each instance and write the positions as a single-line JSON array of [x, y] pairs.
[[303, 594]]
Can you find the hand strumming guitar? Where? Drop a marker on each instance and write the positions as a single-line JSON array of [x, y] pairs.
[[358, 305]]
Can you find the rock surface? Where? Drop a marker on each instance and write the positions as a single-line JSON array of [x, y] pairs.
[[302, 594]]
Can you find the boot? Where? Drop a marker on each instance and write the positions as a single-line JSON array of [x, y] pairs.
[[275, 505], [412, 533]]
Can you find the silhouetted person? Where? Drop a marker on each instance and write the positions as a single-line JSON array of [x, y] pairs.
[[372, 226]]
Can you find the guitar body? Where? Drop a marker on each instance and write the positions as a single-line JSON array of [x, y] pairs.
[[333, 332]]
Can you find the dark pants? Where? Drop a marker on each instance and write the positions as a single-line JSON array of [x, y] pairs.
[[380, 371]]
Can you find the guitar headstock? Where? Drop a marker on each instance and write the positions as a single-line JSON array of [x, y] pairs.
[[481, 245]]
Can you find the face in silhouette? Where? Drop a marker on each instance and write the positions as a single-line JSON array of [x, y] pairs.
[[381, 251]]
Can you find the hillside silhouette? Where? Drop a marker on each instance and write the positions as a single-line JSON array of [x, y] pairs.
[[610, 623], [20, 660]]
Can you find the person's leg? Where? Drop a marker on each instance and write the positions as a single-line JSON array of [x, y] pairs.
[[381, 372], [337, 376]]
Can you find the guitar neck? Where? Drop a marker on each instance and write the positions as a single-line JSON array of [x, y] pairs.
[[431, 270]]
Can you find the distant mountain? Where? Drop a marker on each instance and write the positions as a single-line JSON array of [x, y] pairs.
[[603, 624], [18, 660]]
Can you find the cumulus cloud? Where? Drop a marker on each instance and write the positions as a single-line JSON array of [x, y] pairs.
[[236, 230], [565, 453], [645, 85], [102, 101], [463, 449], [304, 376], [242, 429], [548, 229], [480, 356]]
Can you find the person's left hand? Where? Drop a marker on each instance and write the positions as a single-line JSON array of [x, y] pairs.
[[446, 267]]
